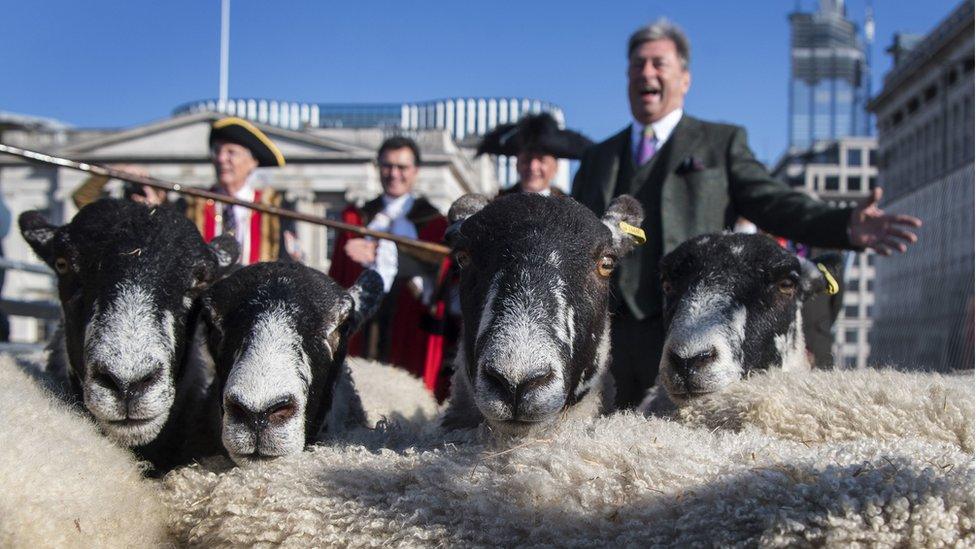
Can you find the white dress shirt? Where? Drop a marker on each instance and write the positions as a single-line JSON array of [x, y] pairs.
[[662, 131], [392, 219]]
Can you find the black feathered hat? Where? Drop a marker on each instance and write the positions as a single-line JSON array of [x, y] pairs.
[[534, 133], [245, 134]]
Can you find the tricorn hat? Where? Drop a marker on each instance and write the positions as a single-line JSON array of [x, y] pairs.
[[534, 133], [245, 134]]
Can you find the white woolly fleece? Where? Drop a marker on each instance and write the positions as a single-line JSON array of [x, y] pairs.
[[391, 393], [837, 405], [622, 480], [63, 484]]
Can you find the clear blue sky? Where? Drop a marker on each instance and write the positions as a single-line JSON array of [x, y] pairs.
[[101, 63]]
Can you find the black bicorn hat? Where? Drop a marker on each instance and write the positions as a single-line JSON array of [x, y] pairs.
[[245, 134], [534, 133]]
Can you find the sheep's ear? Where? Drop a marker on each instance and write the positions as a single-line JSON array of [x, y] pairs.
[[39, 234], [366, 293], [624, 218], [338, 324], [461, 209], [822, 274], [227, 251], [212, 323]]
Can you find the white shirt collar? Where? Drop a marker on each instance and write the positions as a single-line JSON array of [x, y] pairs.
[[397, 206], [662, 129]]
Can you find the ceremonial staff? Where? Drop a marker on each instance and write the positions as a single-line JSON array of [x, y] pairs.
[[428, 249]]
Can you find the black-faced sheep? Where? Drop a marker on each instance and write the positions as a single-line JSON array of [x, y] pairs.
[[277, 333], [534, 289], [128, 279], [732, 307]]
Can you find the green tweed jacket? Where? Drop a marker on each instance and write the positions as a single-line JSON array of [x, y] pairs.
[[703, 177]]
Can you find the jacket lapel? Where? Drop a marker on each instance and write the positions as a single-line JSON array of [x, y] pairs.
[[684, 139], [619, 146]]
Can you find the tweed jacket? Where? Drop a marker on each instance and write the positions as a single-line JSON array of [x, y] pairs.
[[702, 178]]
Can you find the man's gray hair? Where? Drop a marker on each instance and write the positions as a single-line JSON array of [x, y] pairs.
[[662, 29]]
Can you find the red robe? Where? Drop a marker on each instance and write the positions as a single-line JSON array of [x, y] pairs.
[[409, 346]]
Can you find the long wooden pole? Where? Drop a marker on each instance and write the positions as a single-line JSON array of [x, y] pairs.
[[42, 158]]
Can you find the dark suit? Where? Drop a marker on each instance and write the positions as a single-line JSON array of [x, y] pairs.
[[700, 180]]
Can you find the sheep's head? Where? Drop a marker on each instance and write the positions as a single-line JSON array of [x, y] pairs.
[[277, 333], [128, 277], [732, 306], [534, 286]]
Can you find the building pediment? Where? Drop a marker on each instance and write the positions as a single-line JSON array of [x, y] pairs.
[[185, 138]]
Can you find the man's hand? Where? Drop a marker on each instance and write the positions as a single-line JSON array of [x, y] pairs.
[[870, 227], [361, 251], [293, 247], [150, 196]]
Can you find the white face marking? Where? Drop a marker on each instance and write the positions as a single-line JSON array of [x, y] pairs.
[[487, 311], [602, 360], [702, 327], [187, 301], [565, 315], [130, 342], [520, 349], [271, 369], [737, 249], [792, 346]]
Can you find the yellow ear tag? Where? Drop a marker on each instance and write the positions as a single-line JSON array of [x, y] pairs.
[[832, 287], [635, 232]]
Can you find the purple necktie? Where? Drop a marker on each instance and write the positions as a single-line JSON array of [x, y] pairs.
[[648, 146]]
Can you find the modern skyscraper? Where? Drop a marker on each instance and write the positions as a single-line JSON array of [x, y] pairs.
[[829, 77]]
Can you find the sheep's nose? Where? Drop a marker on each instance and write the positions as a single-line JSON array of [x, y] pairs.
[[517, 392], [259, 420], [126, 387], [685, 366]]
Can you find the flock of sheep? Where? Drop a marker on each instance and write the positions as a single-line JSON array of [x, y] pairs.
[[169, 351]]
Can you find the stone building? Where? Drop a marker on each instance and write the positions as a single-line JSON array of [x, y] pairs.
[[465, 119], [924, 303]]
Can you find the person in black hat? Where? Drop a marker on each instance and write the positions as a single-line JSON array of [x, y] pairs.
[[537, 142], [237, 149]]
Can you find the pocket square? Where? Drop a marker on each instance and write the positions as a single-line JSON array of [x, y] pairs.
[[690, 165]]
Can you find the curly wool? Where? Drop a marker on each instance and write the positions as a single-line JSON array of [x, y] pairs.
[[391, 394], [838, 405], [617, 480], [62, 484]]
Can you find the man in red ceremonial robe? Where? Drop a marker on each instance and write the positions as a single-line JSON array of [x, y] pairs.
[[237, 149], [394, 334]]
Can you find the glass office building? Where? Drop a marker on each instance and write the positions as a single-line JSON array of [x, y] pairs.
[[829, 77]]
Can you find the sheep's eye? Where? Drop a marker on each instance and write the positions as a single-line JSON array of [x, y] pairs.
[[61, 265], [462, 258], [666, 286], [786, 286], [604, 266]]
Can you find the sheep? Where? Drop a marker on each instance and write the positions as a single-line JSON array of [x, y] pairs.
[[277, 334], [732, 307], [392, 395], [128, 281], [533, 291], [618, 480], [63, 484], [842, 405]]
